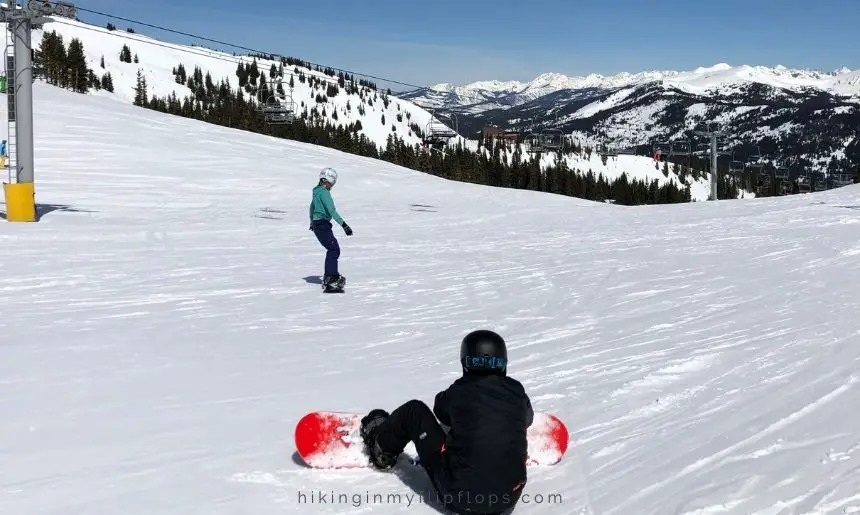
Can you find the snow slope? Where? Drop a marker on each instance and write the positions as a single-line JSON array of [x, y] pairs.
[[157, 60], [160, 340]]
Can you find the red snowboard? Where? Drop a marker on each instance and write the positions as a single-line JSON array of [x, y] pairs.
[[329, 439]]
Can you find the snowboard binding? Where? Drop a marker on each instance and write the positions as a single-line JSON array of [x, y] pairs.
[[369, 427], [333, 283]]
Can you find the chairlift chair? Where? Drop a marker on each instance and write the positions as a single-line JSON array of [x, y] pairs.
[[607, 151], [661, 150], [437, 133], [679, 148], [755, 159], [552, 139], [781, 173], [533, 143], [804, 184], [843, 179], [737, 167], [820, 182], [764, 183], [278, 112]]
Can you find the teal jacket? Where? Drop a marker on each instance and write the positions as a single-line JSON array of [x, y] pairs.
[[322, 206]]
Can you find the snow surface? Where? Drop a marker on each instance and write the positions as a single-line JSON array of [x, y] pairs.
[[160, 340]]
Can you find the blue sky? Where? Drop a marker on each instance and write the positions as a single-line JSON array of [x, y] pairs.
[[467, 40]]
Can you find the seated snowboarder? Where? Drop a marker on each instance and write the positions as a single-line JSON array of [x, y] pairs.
[[480, 465]]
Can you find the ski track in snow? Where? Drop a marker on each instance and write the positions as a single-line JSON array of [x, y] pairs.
[[161, 339]]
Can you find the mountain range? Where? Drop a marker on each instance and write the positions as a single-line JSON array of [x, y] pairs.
[[721, 78], [807, 120]]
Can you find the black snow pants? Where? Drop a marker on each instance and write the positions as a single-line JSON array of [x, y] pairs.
[[414, 422]]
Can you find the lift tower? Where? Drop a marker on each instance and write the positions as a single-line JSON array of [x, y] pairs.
[[20, 190]]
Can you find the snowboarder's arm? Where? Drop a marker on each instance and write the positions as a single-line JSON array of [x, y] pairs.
[[329, 207], [440, 408]]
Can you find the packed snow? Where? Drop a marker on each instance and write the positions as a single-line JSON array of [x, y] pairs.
[[163, 330]]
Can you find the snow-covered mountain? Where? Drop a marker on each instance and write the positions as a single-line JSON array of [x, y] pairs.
[[158, 61], [806, 120], [163, 330], [198, 82], [720, 79]]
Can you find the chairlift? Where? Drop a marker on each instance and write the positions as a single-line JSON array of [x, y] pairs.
[[837, 175], [661, 150], [781, 173], [703, 149], [755, 160], [552, 140], [679, 148], [804, 184], [842, 179], [607, 151], [736, 167], [764, 183], [276, 111], [437, 133], [533, 143], [820, 182]]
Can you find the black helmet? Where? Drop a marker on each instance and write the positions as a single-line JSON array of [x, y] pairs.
[[484, 351]]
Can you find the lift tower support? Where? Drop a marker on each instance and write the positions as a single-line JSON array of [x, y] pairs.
[[20, 190], [713, 135]]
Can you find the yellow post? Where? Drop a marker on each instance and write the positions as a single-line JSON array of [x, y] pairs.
[[20, 202]]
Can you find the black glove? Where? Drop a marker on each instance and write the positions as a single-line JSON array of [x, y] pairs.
[[346, 229], [311, 227]]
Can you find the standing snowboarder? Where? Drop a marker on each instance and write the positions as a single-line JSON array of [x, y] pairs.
[[480, 466], [322, 210]]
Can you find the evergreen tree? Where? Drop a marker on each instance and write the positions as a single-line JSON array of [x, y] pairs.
[[51, 59], [140, 95], [76, 63], [125, 54], [107, 82]]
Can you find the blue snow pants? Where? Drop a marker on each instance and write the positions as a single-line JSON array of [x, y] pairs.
[[323, 232]]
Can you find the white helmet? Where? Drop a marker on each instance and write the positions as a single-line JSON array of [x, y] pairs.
[[329, 174]]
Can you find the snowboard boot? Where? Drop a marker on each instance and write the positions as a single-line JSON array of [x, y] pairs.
[[333, 282], [369, 429]]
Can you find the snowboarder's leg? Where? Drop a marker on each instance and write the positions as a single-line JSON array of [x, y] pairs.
[[387, 435], [413, 422], [323, 232]]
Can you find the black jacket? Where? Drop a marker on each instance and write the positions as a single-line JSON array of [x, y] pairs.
[[486, 446]]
